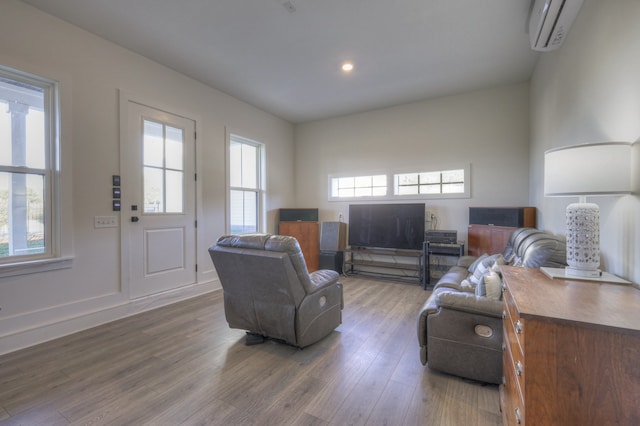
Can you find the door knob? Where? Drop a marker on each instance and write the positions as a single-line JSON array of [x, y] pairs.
[[134, 218]]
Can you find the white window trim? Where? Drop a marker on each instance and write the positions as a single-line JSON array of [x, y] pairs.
[[52, 258], [390, 185], [261, 191]]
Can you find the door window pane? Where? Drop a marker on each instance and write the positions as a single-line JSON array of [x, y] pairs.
[[174, 148], [174, 191], [163, 158], [153, 190], [153, 144]]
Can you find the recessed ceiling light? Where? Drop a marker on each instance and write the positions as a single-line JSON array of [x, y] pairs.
[[347, 67]]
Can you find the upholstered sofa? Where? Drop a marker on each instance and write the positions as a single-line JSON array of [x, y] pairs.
[[460, 324], [269, 292]]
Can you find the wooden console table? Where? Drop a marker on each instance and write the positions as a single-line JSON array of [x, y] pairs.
[[571, 351]]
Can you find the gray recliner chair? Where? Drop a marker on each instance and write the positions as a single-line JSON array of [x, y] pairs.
[[269, 292]]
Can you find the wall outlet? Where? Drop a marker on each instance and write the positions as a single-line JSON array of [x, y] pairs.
[[105, 221]]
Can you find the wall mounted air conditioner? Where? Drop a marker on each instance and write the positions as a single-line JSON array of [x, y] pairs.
[[550, 22]]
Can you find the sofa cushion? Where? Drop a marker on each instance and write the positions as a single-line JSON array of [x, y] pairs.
[[489, 261], [475, 264], [490, 286], [478, 273]]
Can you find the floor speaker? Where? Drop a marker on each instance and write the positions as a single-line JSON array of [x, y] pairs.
[[331, 260], [333, 236]]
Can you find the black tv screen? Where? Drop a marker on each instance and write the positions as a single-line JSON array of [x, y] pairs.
[[396, 226]]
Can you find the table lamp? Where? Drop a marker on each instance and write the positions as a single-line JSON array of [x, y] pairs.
[[586, 170]]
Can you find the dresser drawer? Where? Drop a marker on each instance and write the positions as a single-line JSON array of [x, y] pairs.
[[512, 400], [510, 314], [516, 357]]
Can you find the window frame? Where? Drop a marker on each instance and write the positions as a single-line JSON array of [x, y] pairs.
[[51, 257], [391, 185], [233, 137]]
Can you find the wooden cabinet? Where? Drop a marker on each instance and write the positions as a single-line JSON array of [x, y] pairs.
[[308, 236], [490, 227], [571, 351]]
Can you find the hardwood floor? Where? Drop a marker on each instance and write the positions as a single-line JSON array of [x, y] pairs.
[[181, 364]]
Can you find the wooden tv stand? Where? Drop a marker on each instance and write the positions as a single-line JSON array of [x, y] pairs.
[[571, 351]]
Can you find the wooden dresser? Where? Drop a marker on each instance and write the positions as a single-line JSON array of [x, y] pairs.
[[571, 351]]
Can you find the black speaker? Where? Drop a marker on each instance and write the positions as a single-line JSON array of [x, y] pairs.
[[298, 215], [331, 260], [333, 236], [499, 216]]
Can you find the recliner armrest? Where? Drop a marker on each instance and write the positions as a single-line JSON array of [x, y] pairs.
[[322, 278], [469, 302]]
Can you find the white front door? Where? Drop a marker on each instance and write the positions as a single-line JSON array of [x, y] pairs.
[[158, 200]]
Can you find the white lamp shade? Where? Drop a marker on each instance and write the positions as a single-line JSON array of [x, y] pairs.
[[589, 169]]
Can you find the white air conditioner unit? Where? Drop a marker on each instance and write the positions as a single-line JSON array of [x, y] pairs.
[[550, 22]]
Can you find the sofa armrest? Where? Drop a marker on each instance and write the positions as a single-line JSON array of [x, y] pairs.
[[468, 302], [322, 278]]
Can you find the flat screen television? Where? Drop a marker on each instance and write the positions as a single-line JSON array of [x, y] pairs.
[[395, 226]]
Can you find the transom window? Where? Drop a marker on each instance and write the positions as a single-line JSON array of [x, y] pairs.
[[27, 157], [359, 186], [452, 183], [442, 182]]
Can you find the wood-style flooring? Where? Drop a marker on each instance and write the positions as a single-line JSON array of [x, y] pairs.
[[182, 364]]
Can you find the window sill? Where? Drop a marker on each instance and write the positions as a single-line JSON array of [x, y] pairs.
[[35, 266]]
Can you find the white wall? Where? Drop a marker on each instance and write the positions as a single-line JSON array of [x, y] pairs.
[[91, 72], [487, 128], [589, 91]]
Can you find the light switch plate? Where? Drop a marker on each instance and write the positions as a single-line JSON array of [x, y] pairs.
[[105, 221]]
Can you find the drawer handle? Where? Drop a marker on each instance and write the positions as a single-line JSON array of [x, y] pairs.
[[518, 327], [504, 314], [518, 418], [519, 368]]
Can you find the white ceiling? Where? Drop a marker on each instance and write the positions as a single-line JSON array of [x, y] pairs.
[[288, 63]]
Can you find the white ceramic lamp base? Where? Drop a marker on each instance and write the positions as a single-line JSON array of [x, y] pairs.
[[583, 240]]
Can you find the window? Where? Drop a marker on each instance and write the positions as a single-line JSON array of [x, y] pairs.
[[418, 185], [245, 185], [359, 186], [443, 182], [28, 146]]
